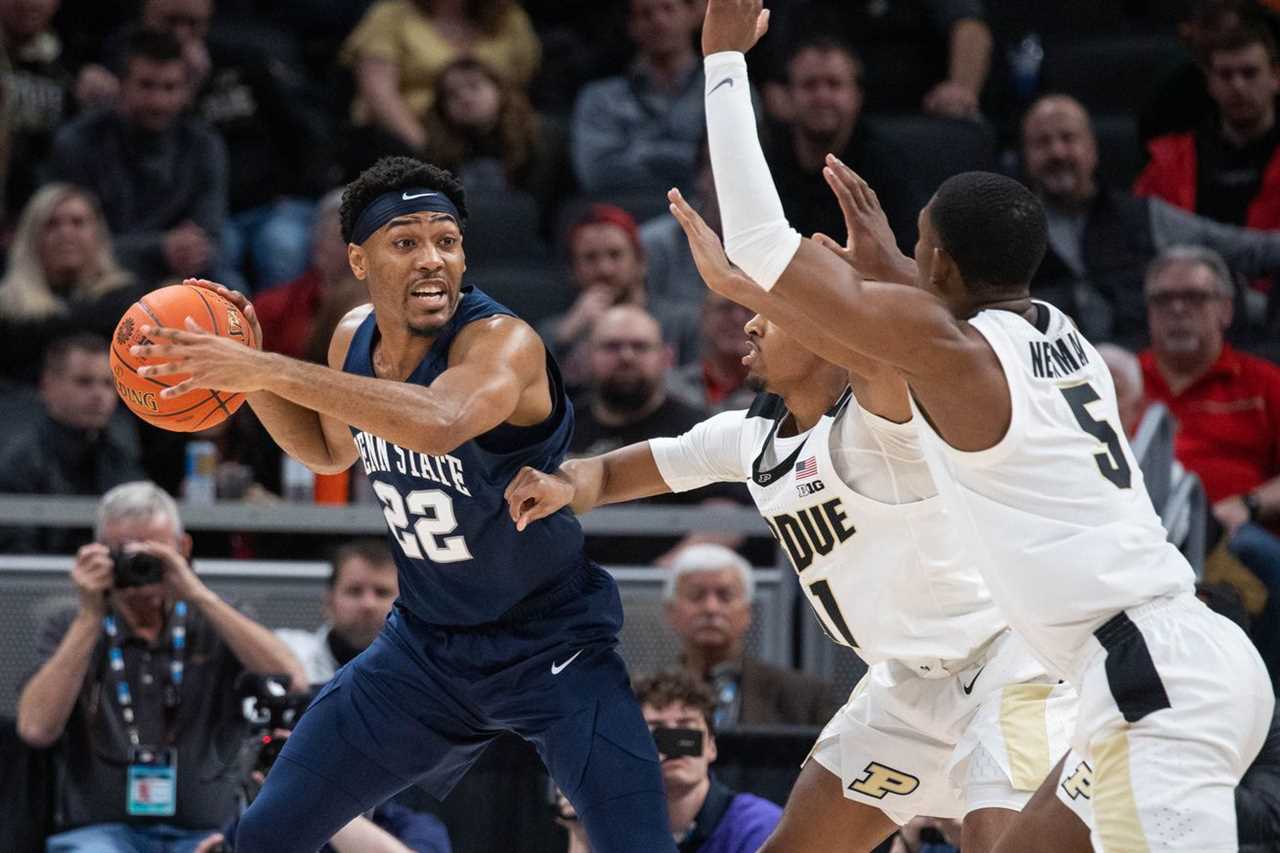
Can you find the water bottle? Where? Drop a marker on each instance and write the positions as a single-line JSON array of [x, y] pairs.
[[1025, 59], [296, 481], [200, 482], [724, 685]]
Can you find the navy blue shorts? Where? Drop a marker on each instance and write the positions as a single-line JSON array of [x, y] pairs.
[[420, 704]]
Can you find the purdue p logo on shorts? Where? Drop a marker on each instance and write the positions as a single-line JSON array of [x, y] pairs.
[[1079, 783], [879, 780]]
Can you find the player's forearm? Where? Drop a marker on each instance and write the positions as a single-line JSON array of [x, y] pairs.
[[970, 54], [49, 697], [297, 430], [626, 474], [409, 415], [362, 835], [257, 649]]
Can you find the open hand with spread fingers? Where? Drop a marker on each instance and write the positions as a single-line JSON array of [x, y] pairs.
[[733, 25], [708, 252], [213, 362], [870, 246], [533, 495]]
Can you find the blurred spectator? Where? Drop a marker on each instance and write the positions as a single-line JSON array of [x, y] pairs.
[[708, 596], [1228, 409], [607, 264], [161, 176], [1101, 239], [930, 55], [68, 449], [278, 145], [483, 129], [673, 277], [1227, 403], [37, 92], [291, 314], [706, 815], [1227, 169], [639, 132], [362, 586], [400, 47], [1126, 375], [825, 91], [717, 381], [627, 399], [1181, 101], [137, 686], [62, 277]]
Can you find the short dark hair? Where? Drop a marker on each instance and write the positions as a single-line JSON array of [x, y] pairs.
[[57, 352], [993, 227], [1249, 32], [824, 42], [152, 44], [372, 551], [396, 173], [667, 688]]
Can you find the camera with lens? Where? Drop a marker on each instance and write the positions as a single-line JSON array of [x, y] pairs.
[[269, 707], [135, 568]]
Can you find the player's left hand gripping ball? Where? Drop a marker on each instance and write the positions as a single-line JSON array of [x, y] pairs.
[[210, 361]]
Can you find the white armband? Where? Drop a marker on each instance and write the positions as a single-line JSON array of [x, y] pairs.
[[757, 236]]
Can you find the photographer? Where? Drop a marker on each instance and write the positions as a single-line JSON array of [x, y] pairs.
[[136, 688]]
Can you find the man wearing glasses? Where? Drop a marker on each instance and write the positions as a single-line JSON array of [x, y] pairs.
[[1227, 405]]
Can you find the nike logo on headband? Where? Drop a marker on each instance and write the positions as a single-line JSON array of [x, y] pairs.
[[408, 197]]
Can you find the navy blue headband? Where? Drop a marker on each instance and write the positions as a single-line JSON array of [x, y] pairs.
[[389, 205]]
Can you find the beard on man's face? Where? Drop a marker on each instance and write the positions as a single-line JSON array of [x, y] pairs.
[[626, 393]]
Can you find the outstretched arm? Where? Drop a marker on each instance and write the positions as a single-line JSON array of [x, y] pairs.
[[626, 474], [708, 453], [944, 360]]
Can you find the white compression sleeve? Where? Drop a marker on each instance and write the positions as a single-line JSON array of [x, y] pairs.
[[757, 236]]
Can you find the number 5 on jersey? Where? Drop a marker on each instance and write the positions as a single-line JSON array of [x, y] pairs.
[[430, 531]]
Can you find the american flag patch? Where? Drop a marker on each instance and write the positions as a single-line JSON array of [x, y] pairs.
[[807, 468]]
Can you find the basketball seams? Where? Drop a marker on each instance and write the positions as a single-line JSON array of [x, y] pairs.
[[213, 408], [213, 319]]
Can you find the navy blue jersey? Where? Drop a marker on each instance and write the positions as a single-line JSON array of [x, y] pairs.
[[460, 558]]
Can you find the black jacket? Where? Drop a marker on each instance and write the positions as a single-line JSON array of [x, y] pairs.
[[1258, 798]]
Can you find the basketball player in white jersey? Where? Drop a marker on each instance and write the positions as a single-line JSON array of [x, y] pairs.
[[955, 717], [1018, 420]]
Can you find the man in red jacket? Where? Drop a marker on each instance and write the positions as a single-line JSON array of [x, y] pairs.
[[1227, 169]]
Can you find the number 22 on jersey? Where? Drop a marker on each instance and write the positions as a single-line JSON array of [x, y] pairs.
[[428, 532]]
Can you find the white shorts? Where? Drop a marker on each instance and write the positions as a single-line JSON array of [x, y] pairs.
[[985, 737], [1173, 710]]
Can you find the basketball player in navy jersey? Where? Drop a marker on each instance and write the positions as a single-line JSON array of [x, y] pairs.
[[442, 395]]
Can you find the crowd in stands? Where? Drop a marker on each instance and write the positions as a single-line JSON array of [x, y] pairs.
[[145, 141]]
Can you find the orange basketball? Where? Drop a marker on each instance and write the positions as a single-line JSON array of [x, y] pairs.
[[171, 306]]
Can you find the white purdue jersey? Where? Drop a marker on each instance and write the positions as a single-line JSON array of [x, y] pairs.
[[1064, 528], [885, 576]]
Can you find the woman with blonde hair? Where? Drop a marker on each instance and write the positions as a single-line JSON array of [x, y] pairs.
[[62, 277]]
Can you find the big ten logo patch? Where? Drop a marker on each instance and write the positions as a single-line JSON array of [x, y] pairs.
[[878, 780], [1080, 782]]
